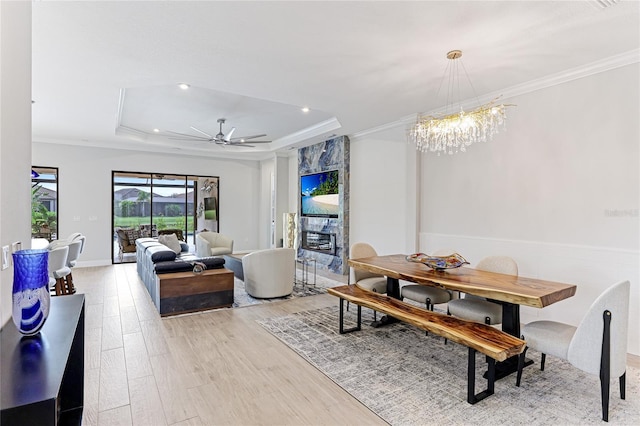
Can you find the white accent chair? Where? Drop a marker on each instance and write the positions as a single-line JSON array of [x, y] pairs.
[[474, 308], [269, 273], [597, 346], [58, 269], [213, 244]]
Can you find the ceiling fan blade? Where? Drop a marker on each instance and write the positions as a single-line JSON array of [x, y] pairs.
[[228, 136], [244, 143], [178, 138], [185, 135], [244, 138], [200, 131]]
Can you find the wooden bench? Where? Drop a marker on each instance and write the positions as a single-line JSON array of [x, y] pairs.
[[495, 344]]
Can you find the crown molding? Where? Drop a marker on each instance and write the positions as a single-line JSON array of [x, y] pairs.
[[607, 64], [320, 129], [597, 67], [147, 147]]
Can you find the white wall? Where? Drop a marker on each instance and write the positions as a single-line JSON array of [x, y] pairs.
[[85, 190], [15, 135], [382, 204], [282, 196], [294, 183], [267, 172], [559, 191]]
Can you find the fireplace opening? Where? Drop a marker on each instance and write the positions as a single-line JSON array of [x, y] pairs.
[[319, 241]]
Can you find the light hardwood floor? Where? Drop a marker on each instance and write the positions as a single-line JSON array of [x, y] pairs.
[[218, 367]]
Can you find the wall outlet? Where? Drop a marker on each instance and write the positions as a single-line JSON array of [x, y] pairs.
[[76, 218], [93, 218], [5, 257]]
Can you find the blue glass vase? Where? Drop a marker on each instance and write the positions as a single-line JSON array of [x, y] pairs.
[[31, 297]]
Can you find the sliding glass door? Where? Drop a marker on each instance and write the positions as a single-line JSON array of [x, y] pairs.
[[148, 204]]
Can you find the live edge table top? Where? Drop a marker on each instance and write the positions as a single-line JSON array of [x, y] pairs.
[[505, 288]]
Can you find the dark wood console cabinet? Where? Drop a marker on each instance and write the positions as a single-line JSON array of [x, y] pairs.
[[43, 375]]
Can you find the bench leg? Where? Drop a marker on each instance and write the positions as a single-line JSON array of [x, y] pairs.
[[472, 397], [349, 330]]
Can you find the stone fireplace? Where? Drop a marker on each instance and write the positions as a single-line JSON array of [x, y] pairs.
[[326, 239]]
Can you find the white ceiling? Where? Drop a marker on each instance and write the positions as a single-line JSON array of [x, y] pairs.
[[356, 65]]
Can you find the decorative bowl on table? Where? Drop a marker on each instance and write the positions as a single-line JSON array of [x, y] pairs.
[[438, 263]]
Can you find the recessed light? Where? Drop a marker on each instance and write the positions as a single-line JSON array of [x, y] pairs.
[[183, 86], [305, 109], [156, 130]]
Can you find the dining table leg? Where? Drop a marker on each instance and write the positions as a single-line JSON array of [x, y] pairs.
[[510, 325]]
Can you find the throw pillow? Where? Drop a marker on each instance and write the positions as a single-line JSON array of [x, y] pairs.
[[171, 241], [133, 235]]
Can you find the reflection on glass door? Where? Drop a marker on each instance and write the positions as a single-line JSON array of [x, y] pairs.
[[208, 212]]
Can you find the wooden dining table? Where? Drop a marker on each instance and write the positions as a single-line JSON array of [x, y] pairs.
[[510, 291]]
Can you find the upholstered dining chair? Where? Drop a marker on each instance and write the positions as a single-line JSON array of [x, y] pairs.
[[72, 259], [364, 279], [474, 308], [597, 346], [82, 239], [58, 269], [76, 236], [428, 296]]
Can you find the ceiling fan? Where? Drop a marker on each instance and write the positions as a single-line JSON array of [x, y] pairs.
[[220, 138]]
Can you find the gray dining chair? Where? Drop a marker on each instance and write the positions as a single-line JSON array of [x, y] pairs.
[[597, 346], [364, 279], [428, 296], [479, 309]]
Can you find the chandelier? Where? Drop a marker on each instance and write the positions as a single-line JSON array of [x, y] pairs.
[[453, 132]]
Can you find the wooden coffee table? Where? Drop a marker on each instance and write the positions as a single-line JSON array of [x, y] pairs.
[[182, 292]]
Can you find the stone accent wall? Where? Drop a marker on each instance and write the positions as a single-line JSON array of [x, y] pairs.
[[332, 154]]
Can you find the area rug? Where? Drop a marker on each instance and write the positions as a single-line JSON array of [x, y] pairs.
[[241, 298], [408, 378]]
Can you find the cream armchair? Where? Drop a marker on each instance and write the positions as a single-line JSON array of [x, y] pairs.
[[213, 244], [269, 273]]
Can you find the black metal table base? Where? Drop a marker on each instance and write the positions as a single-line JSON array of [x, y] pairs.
[[508, 366], [386, 320]]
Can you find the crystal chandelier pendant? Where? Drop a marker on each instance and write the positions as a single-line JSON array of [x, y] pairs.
[[451, 133]]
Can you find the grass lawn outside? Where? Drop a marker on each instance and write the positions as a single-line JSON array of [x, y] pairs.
[[160, 222]]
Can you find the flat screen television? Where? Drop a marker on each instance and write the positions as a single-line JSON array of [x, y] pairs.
[[320, 194]]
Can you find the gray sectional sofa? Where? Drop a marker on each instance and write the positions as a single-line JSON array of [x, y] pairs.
[[154, 259]]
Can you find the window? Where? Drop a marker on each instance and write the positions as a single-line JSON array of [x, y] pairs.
[[44, 202]]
